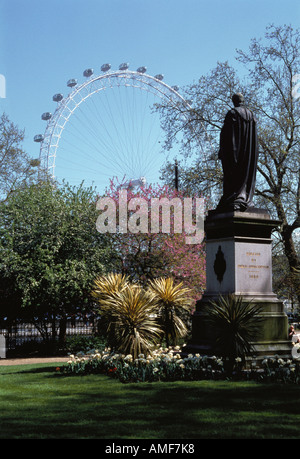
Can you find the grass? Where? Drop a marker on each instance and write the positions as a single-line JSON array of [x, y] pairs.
[[37, 403]]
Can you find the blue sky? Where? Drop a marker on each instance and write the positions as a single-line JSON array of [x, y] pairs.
[[44, 43]]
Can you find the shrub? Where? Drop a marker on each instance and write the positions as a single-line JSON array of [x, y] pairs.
[[173, 300], [129, 316], [235, 323], [83, 344], [134, 318]]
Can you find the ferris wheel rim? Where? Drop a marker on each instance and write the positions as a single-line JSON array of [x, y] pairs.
[[53, 132]]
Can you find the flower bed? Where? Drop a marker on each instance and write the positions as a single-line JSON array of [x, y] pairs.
[[163, 364], [167, 364]]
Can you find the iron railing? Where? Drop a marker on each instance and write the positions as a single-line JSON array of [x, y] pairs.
[[21, 333]]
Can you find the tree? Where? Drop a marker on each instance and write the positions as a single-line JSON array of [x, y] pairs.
[[145, 254], [16, 167], [187, 263], [269, 90], [50, 254]]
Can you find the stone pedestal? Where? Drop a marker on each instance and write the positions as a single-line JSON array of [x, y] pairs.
[[239, 262]]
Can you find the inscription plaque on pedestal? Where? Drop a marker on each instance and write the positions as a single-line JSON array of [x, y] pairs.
[[240, 267]]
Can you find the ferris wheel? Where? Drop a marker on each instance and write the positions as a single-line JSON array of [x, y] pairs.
[[108, 127]]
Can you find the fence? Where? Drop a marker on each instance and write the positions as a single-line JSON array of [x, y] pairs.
[[22, 333]]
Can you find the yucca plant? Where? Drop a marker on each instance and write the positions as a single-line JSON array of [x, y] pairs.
[[129, 317], [104, 287], [108, 284], [235, 324], [173, 302]]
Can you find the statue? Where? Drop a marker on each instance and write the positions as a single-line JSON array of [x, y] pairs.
[[238, 153]]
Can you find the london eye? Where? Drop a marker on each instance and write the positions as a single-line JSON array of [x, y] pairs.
[[107, 127]]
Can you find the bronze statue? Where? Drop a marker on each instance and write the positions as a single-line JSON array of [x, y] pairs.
[[238, 153]]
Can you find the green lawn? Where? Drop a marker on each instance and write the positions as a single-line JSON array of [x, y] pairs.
[[36, 403]]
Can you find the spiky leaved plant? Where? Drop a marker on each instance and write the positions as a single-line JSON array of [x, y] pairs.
[[173, 302], [104, 287], [108, 284], [235, 325], [129, 315]]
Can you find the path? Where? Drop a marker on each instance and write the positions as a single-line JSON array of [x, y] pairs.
[[33, 360]]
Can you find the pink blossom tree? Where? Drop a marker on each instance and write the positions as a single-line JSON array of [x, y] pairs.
[[144, 253]]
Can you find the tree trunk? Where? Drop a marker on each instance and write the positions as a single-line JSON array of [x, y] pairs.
[[62, 331], [292, 257]]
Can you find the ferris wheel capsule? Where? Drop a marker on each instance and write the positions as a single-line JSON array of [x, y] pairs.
[[142, 69], [71, 83], [58, 97], [38, 138], [105, 67], [159, 77], [46, 116], [124, 66], [88, 72], [176, 88]]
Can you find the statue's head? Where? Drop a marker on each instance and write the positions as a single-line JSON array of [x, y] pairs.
[[238, 99]]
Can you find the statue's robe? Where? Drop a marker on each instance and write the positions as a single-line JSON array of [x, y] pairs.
[[239, 154]]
